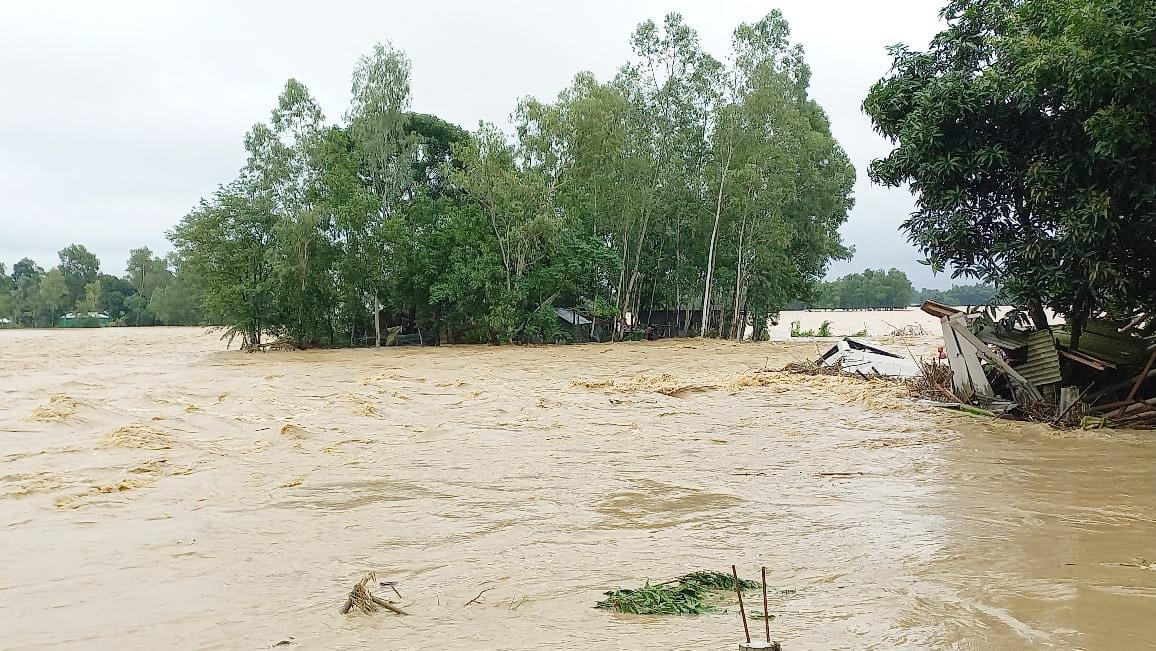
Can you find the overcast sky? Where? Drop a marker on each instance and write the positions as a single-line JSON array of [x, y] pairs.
[[118, 116]]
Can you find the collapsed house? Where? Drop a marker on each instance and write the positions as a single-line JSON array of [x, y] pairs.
[[1036, 373]]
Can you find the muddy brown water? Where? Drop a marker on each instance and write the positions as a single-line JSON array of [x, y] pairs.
[[158, 491]]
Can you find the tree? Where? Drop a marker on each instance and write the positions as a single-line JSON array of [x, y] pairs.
[[1025, 132], [91, 302], [616, 196], [873, 288], [377, 126], [26, 277], [79, 267], [177, 303], [146, 271], [225, 240], [52, 297], [7, 295]]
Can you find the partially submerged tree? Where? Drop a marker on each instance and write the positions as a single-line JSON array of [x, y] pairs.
[[1025, 132]]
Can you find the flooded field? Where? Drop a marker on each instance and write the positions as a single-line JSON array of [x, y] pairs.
[[158, 491]]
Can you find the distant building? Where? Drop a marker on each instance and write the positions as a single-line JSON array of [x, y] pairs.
[[83, 320], [580, 328]]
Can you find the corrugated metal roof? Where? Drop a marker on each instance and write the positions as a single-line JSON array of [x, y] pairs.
[[1103, 340], [1002, 338], [570, 316], [1043, 361]]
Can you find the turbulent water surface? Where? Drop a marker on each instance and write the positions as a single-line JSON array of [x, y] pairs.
[[159, 491]]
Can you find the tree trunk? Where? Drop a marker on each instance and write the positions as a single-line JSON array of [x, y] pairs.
[[1077, 331], [713, 241], [1039, 317], [620, 298], [738, 281], [377, 321]]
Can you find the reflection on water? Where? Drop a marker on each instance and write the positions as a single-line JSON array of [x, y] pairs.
[[158, 491]]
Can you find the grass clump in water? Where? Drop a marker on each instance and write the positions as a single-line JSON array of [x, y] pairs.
[[689, 594]]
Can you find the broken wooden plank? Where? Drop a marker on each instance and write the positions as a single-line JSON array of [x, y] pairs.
[[968, 378], [1086, 360], [1068, 398], [938, 309], [957, 325]]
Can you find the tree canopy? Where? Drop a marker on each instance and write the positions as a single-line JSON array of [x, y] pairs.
[[872, 289], [683, 182], [961, 295], [1025, 132]]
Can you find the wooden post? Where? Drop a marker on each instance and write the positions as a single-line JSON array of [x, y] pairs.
[[766, 608], [742, 610]]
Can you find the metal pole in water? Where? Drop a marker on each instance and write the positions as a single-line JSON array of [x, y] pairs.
[[742, 610]]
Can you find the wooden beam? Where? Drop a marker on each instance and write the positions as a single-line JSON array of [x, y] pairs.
[[1086, 360]]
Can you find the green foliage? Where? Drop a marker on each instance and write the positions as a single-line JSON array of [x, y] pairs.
[[823, 331], [677, 182], [1025, 132], [147, 272], [31, 297], [961, 295], [79, 267], [179, 302], [874, 288], [113, 294], [26, 278], [690, 594], [52, 298]]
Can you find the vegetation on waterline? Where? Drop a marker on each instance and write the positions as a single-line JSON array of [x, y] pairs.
[[823, 331]]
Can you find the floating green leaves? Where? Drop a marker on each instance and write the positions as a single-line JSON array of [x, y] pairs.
[[689, 594]]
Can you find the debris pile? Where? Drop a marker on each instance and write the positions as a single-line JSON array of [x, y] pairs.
[[1104, 377]]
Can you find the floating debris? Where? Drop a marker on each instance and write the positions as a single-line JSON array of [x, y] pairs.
[[139, 435], [361, 598], [60, 407], [863, 358], [690, 594]]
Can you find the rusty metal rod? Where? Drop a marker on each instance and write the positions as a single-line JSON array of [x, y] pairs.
[[766, 608], [742, 609]]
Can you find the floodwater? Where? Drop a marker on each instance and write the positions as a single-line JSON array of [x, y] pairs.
[[876, 323], [159, 491]]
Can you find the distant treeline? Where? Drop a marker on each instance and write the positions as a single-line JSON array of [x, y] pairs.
[[890, 289], [76, 293], [960, 295]]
